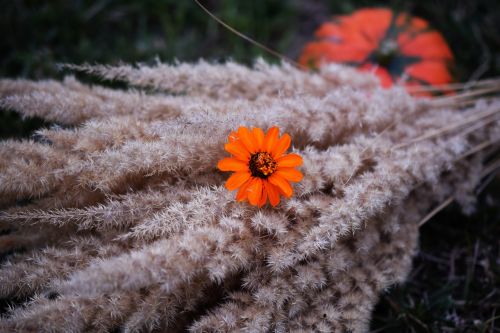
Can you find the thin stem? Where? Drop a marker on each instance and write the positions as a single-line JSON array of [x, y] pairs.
[[248, 39], [450, 128], [452, 100], [490, 168], [436, 210], [476, 149], [455, 86]]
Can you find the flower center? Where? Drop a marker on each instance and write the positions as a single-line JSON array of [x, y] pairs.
[[262, 165], [386, 52]]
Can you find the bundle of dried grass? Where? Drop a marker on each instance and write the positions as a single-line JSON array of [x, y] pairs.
[[118, 218]]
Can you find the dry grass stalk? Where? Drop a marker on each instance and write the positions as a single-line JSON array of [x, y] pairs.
[[135, 231]]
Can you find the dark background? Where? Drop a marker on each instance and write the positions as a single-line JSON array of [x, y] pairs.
[[455, 283]]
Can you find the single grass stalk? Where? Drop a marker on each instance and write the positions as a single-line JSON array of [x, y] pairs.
[[248, 39], [455, 126], [450, 101], [436, 210], [455, 86]]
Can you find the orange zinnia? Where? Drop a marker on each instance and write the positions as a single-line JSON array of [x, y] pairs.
[[397, 47], [261, 170]]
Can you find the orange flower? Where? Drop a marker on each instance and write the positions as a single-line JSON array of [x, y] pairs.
[[396, 47], [261, 170]]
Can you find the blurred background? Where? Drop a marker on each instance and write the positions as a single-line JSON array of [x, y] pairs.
[[455, 283]]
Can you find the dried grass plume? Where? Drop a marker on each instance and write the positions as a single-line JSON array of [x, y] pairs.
[[118, 220]]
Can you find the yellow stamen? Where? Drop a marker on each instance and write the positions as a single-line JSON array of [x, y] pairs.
[[262, 164]]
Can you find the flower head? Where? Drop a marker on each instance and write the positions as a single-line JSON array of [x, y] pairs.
[[396, 47], [261, 168]]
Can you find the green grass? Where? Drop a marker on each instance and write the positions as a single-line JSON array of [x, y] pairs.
[[40, 34]]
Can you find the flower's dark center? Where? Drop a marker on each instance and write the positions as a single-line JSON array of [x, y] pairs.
[[262, 165], [386, 52]]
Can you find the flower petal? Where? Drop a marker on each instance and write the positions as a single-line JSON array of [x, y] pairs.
[[263, 198], [282, 184], [243, 191], [282, 146], [258, 135], [237, 150], [272, 193], [232, 164], [247, 139], [432, 72], [237, 179], [346, 35], [409, 23], [232, 137], [255, 191], [289, 161], [372, 23], [426, 45], [290, 174], [270, 139]]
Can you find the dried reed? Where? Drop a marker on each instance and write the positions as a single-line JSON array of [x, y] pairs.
[[118, 220]]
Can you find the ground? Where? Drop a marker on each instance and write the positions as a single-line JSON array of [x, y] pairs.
[[455, 282]]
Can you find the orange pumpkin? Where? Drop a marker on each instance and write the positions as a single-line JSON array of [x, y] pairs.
[[398, 48]]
